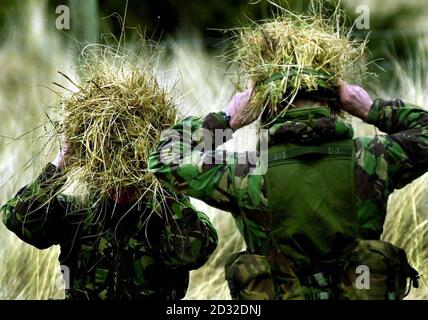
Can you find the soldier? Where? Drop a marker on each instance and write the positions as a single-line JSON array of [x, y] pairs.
[[312, 224], [117, 249]]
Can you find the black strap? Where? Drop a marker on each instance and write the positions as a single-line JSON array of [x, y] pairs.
[[298, 151]]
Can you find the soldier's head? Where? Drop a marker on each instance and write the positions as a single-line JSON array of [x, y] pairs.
[[114, 122], [303, 99], [295, 57]]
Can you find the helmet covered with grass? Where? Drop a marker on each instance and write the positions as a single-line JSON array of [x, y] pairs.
[[113, 121], [293, 56]]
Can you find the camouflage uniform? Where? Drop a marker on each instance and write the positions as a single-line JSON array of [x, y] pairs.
[[380, 164], [113, 251]]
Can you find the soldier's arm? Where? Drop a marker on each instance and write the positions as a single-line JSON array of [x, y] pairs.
[[36, 213], [405, 148], [188, 239], [218, 178]]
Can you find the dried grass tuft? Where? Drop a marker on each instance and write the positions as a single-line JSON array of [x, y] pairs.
[[297, 53], [112, 123]]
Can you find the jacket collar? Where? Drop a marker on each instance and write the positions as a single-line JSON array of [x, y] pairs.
[[309, 125]]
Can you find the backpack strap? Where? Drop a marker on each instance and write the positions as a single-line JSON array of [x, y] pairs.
[[297, 151]]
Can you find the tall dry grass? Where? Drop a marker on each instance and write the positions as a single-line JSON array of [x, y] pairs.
[[407, 220], [29, 60]]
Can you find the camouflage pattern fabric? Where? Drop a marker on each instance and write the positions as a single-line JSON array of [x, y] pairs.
[[383, 163], [255, 277], [113, 251]]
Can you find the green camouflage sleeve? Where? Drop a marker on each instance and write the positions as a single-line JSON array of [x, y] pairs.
[[36, 213], [188, 239], [402, 155], [189, 161]]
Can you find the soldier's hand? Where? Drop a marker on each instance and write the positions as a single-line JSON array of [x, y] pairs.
[[355, 100], [59, 161], [238, 104]]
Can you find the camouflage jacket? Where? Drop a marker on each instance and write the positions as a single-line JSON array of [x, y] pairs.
[[112, 251], [383, 163]]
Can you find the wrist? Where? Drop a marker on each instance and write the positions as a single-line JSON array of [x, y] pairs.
[[216, 120], [364, 112], [226, 118], [51, 179], [235, 123], [58, 163]]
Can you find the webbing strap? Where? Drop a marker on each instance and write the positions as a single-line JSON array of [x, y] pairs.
[[297, 151]]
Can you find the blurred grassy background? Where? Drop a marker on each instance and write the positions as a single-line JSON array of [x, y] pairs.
[[32, 50]]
